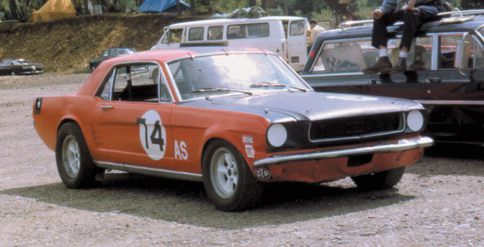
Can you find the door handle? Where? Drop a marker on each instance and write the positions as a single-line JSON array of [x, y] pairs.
[[433, 80], [104, 107]]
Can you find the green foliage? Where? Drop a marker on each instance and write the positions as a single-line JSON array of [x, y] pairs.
[[472, 4]]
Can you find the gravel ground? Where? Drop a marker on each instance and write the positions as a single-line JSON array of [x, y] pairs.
[[439, 201]]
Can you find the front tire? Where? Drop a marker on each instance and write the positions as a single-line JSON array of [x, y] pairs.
[[93, 67], [228, 181], [380, 180], [74, 162], [12, 72]]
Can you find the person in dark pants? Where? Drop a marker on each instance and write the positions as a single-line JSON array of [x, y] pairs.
[[412, 14]]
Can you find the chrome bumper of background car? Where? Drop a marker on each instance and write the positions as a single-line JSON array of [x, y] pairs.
[[402, 145]]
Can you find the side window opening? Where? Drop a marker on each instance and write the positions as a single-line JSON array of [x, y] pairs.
[[133, 83], [297, 28], [175, 35], [356, 55], [215, 33], [447, 51], [419, 57], [195, 33], [258, 30], [479, 56], [236, 32]]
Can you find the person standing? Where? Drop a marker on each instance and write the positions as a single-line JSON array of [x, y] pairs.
[[315, 30], [413, 13]]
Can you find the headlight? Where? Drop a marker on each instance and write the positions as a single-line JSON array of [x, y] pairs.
[[415, 120], [277, 135]]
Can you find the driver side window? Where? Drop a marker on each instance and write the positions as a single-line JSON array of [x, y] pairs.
[[134, 83]]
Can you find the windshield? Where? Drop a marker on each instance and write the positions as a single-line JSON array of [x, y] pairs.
[[222, 74], [125, 51], [21, 61]]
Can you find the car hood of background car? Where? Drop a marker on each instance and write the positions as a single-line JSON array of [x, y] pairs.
[[305, 106]]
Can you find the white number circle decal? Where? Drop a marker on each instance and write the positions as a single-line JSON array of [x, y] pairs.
[[152, 134]]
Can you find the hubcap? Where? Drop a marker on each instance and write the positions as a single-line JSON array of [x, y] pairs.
[[224, 173], [71, 157]]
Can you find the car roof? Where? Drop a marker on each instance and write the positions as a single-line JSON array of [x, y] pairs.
[[159, 56], [185, 52], [431, 26], [119, 48], [234, 21]]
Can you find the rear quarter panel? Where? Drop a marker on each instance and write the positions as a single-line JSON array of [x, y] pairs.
[[56, 110]]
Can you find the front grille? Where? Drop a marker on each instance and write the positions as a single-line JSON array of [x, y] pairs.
[[343, 128]]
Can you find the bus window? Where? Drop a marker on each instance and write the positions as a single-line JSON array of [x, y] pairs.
[[195, 33], [215, 33]]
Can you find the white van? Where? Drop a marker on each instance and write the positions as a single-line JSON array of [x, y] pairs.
[[283, 35]]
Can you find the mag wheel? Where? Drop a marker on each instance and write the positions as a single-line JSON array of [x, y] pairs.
[[12, 72], [228, 181], [380, 180], [74, 161], [93, 67]]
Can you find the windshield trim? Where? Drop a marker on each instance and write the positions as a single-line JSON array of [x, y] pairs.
[[191, 56]]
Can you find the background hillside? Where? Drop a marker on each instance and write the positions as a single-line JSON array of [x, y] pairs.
[[66, 45]]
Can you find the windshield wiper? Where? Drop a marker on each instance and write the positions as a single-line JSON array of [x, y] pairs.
[[267, 84], [214, 89], [299, 88]]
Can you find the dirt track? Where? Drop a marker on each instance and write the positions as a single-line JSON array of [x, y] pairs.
[[439, 202]]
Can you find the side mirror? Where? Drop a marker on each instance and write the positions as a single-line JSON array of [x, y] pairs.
[[462, 54]]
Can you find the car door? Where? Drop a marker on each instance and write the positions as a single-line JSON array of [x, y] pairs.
[[134, 112], [297, 44], [445, 82]]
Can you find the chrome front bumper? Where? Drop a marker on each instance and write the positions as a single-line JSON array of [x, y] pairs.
[[402, 145]]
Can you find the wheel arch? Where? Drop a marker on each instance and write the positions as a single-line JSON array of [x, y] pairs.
[[71, 120], [213, 139]]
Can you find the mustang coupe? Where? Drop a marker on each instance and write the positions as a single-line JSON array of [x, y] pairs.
[[234, 119], [20, 66]]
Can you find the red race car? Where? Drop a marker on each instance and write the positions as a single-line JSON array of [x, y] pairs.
[[233, 119]]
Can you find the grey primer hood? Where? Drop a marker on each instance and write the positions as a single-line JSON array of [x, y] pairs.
[[305, 106]]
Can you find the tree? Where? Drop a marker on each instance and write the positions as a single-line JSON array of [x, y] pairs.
[[178, 9], [192, 6], [472, 4], [251, 3], [264, 4], [20, 9], [86, 7]]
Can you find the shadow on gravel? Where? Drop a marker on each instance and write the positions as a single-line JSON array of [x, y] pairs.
[[450, 159], [185, 202]]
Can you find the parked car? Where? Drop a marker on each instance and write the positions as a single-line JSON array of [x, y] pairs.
[[453, 97], [20, 66], [109, 53], [284, 35], [231, 118]]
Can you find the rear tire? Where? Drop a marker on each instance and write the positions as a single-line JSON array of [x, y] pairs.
[[228, 181], [74, 161], [380, 180]]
